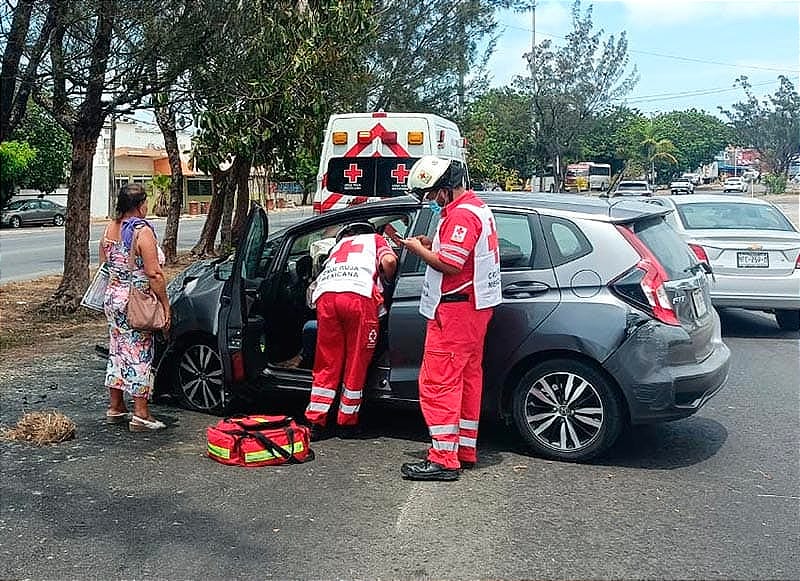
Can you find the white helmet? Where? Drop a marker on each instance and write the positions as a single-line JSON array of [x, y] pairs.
[[431, 173]]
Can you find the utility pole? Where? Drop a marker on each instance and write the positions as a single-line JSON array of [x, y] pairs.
[[111, 180]]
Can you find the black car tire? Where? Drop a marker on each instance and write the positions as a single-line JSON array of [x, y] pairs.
[[199, 378], [58, 220], [15, 222], [552, 429], [788, 320]]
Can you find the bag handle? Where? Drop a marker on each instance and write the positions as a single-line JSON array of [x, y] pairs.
[[241, 421]]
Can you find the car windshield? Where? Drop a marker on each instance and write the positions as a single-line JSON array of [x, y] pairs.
[[15, 205], [732, 216]]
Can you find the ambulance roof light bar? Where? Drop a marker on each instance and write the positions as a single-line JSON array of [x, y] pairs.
[[339, 138]]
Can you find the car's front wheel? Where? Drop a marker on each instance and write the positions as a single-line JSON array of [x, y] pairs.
[[58, 220], [200, 380], [788, 320], [15, 222], [567, 410]]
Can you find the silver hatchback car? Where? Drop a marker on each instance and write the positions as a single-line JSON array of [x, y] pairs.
[[752, 247]]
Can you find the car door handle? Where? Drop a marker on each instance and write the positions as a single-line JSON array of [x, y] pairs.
[[525, 289]]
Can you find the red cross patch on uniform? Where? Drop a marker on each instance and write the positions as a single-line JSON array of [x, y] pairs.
[[459, 233]]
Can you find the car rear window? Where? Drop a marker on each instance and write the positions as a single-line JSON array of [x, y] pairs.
[[666, 246], [732, 216]]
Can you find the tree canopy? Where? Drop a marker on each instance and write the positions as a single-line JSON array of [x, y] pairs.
[[771, 125]]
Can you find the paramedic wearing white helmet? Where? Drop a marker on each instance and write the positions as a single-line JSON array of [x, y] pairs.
[[462, 284]]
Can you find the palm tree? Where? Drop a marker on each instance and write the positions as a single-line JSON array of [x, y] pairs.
[[654, 148]]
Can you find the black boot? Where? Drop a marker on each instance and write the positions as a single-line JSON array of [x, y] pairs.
[[427, 470], [355, 432]]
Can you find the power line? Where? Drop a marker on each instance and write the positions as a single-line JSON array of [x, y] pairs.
[[674, 56], [695, 93]]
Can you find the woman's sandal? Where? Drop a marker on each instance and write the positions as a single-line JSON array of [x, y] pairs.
[[138, 424], [113, 417]]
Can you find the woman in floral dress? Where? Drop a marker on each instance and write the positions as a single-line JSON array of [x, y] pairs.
[[130, 359]]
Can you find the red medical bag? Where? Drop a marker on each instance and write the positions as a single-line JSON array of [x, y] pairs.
[[259, 441]]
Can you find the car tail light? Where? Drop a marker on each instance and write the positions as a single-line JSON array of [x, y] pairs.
[[339, 138], [389, 137], [797, 263], [650, 282], [415, 137], [364, 136], [700, 253]]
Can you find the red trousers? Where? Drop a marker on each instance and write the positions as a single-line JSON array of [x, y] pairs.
[[451, 381], [346, 338]]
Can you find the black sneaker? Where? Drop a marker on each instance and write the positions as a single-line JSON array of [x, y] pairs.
[[467, 464], [427, 470]]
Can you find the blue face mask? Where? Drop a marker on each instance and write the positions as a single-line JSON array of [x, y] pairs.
[[434, 207]]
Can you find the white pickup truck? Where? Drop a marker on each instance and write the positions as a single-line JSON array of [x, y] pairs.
[[681, 185]]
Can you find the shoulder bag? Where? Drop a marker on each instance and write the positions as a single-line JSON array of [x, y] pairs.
[[145, 312]]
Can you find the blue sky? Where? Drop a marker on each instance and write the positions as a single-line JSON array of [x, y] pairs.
[[757, 38]]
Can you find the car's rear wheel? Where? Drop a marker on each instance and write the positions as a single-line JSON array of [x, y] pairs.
[[15, 222], [788, 320], [200, 380], [567, 410], [58, 220]]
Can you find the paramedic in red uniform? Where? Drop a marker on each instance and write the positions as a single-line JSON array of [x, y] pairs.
[[462, 284], [348, 301]]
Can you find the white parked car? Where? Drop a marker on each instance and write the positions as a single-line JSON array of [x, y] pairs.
[[734, 185], [681, 185], [752, 247]]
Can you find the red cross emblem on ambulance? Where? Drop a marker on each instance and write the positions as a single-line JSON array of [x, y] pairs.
[[400, 173], [353, 173]]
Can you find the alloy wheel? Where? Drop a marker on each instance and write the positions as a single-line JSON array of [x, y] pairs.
[[58, 220], [200, 378], [564, 411]]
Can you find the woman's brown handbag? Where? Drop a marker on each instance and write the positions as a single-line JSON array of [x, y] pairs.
[[145, 312]]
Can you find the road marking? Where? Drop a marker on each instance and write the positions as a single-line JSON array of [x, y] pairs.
[[416, 509]]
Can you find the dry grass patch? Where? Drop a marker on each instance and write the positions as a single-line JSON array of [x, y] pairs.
[[26, 319], [41, 428]]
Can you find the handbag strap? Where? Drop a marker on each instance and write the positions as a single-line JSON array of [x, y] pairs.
[[256, 424]]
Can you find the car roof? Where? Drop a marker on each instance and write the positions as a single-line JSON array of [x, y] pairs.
[[700, 198], [573, 205]]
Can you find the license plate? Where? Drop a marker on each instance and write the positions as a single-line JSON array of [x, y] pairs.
[[752, 259], [699, 302]]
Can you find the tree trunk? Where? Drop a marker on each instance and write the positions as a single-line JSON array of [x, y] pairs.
[[242, 201], [205, 246], [76, 228], [12, 54], [166, 122], [229, 193]]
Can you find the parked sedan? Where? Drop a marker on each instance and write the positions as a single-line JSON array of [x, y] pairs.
[[734, 185], [632, 188], [19, 213], [605, 318], [752, 247]]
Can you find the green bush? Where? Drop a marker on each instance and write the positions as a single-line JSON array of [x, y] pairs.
[[776, 183]]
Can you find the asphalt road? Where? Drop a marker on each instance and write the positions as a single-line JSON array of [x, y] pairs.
[[32, 252], [715, 496]]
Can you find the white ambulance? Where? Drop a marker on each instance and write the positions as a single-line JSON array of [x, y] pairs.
[[367, 156]]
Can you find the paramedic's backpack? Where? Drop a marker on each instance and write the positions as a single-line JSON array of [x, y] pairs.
[[259, 440]]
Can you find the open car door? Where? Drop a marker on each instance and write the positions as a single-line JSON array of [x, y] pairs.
[[239, 294]]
